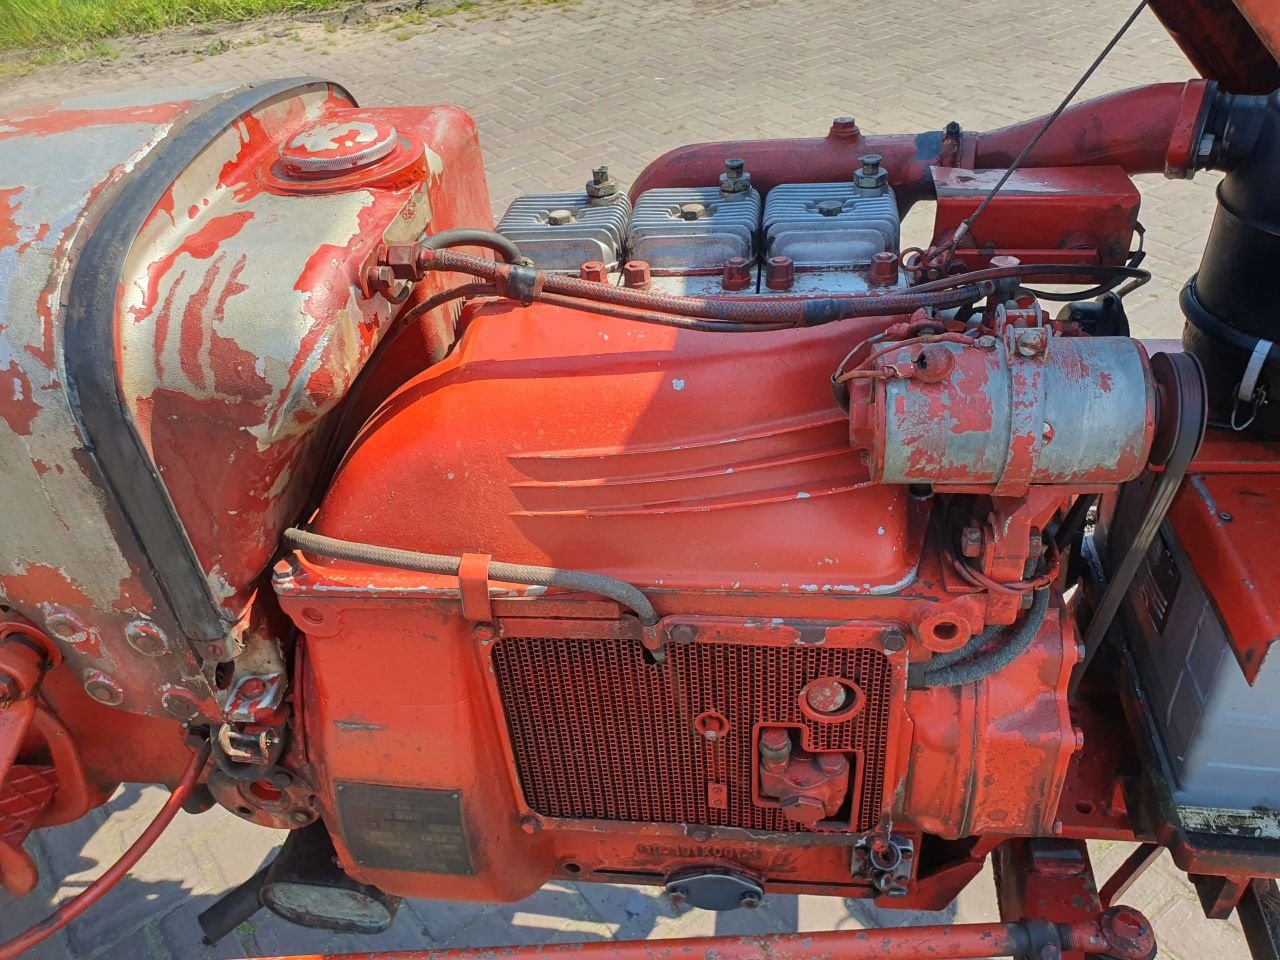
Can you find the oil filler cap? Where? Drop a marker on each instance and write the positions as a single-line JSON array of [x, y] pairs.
[[333, 147]]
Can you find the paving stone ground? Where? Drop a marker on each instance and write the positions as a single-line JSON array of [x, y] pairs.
[[557, 89]]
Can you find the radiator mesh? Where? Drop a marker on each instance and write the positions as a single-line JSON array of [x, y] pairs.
[[599, 732]]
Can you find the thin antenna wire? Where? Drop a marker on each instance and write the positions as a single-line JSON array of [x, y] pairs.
[[963, 229]]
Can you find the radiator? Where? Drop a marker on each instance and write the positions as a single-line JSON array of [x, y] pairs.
[[600, 731]]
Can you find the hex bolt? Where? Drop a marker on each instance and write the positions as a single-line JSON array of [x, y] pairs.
[[594, 271], [684, 633], [894, 641], [884, 268], [830, 208], [780, 273], [844, 127], [735, 179], [530, 824], [971, 542], [559, 217], [602, 188], [679, 896], [484, 632], [737, 274], [692, 211], [832, 763], [635, 273], [871, 176], [280, 778], [102, 688], [749, 900]]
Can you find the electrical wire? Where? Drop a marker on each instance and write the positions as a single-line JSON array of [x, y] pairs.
[[91, 894]]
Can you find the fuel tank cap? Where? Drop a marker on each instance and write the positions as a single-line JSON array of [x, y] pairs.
[[332, 147]]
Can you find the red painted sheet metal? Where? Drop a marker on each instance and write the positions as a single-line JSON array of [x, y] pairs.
[[1226, 523]]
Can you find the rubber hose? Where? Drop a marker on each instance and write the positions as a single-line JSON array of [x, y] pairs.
[[917, 672], [986, 664], [469, 237], [579, 580]]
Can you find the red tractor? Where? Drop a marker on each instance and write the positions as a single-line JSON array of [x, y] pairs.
[[697, 535]]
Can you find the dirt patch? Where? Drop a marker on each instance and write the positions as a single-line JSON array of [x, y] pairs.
[[317, 30]]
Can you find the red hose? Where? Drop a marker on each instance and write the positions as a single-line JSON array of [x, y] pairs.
[[94, 892]]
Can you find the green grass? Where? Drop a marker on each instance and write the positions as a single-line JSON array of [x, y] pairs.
[[80, 25]]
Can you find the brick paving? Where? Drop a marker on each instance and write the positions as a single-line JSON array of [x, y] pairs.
[[556, 89]]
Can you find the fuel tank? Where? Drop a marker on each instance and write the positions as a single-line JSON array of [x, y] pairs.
[[182, 304]]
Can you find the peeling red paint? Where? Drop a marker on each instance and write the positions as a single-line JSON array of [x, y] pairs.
[[54, 122], [18, 408]]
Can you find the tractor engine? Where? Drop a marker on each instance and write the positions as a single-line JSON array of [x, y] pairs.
[[702, 535]]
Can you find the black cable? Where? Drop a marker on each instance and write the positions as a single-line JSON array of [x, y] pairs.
[[378, 556], [1018, 639], [471, 237]]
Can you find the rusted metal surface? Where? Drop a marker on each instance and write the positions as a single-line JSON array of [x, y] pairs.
[[1139, 130], [1008, 411], [1235, 42], [761, 715], [1038, 213], [1122, 934]]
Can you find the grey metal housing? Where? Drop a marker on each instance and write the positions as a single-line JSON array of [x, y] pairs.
[[595, 232], [660, 236], [867, 223]]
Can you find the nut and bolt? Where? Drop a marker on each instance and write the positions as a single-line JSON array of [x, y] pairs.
[[283, 571], [894, 641], [635, 273], [484, 632], [145, 637], [692, 211], [884, 268], [679, 896], [530, 824], [775, 745], [594, 271], [1032, 342], [1225, 517], [749, 901], [826, 695], [559, 217], [601, 186], [872, 176], [280, 778], [735, 178], [830, 208], [832, 763], [684, 633], [102, 688], [737, 274], [780, 273], [971, 542], [986, 342], [844, 127]]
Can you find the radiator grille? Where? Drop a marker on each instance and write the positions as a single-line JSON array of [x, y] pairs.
[[599, 732]]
